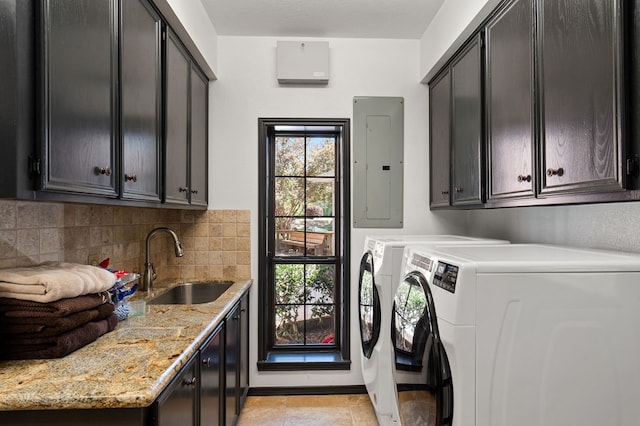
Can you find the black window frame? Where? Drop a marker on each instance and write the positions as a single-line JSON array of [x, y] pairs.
[[303, 357]]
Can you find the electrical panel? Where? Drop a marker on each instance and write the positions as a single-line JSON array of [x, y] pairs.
[[378, 168]]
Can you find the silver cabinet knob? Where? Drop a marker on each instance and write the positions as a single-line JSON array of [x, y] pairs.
[[131, 177], [522, 178]]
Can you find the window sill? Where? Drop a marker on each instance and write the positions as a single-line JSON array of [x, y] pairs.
[[301, 361]]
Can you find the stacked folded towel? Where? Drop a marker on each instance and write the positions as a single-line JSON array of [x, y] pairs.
[[51, 310]]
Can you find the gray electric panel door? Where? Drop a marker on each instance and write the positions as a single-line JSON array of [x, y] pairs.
[[378, 139]]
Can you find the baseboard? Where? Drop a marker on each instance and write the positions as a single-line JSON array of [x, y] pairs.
[[311, 390]]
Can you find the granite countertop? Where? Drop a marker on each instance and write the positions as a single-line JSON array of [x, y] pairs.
[[126, 368]]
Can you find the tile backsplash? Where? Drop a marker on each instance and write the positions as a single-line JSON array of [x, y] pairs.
[[216, 243]]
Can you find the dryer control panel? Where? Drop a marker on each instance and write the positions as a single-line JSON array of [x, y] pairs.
[[446, 276]]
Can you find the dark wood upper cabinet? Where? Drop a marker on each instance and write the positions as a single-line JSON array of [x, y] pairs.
[[440, 139], [199, 137], [177, 74], [140, 99], [186, 121], [580, 73], [79, 74], [467, 126], [509, 86]]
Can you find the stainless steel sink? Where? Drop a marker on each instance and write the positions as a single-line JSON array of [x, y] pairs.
[[191, 293]]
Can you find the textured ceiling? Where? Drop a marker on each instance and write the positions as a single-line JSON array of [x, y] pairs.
[[402, 19]]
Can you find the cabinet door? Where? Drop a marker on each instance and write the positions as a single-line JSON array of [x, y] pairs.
[[440, 139], [509, 101], [140, 99], [243, 389], [178, 69], [580, 75], [198, 139], [211, 375], [232, 356], [79, 81], [177, 405], [466, 80]]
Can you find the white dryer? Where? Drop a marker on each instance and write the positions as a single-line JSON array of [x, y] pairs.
[[380, 274], [527, 335]]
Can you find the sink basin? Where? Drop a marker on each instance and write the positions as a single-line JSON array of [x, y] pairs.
[[191, 293]]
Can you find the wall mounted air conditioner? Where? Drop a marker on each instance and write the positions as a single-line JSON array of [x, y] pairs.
[[303, 62]]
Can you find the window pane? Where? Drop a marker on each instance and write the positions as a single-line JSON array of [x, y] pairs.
[[320, 324], [320, 283], [289, 324], [289, 156], [320, 196], [321, 157], [286, 236], [289, 196], [290, 242], [289, 284]]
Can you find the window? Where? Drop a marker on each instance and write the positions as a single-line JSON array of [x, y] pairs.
[[304, 270]]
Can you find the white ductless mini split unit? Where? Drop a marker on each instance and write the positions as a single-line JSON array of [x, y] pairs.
[[303, 62]]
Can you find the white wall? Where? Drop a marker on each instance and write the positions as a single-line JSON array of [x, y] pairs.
[[607, 226], [247, 89], [195, 20], [454, 22]]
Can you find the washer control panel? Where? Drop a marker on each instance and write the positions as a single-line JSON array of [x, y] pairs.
[[446, 276], [421, 262]]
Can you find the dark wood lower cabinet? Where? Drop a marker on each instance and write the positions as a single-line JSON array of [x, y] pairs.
[[232, 358], [208, 391], [211, 379], [178, 403]]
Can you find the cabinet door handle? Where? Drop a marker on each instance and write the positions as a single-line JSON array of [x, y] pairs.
[[207, 362], [187, 382], [194, 191], [183, 189], [522, 178], [458, 189], [132, 178], [445, 192], [555, 172], [102, 170]]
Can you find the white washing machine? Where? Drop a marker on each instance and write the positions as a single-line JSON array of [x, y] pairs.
[[527, 335], [380, 273]]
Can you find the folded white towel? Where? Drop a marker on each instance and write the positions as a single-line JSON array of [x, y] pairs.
[[53, 281]]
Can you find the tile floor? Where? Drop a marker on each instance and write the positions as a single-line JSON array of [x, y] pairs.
[[308, 410]]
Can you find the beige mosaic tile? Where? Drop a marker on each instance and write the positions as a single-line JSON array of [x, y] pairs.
[[51, 215], [216, 243], [243, 216], [51, 240], [28, 242], [215, 230], [7, 214], [28, 215], [229, 244], [8, 241], [229, 216]]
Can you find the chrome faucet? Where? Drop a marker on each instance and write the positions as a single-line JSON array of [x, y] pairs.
[[149, 268]]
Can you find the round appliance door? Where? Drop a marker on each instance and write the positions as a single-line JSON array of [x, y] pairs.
[[422, 374], [368, 306]]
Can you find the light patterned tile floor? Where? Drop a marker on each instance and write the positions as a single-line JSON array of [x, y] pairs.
[[308, 410]]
